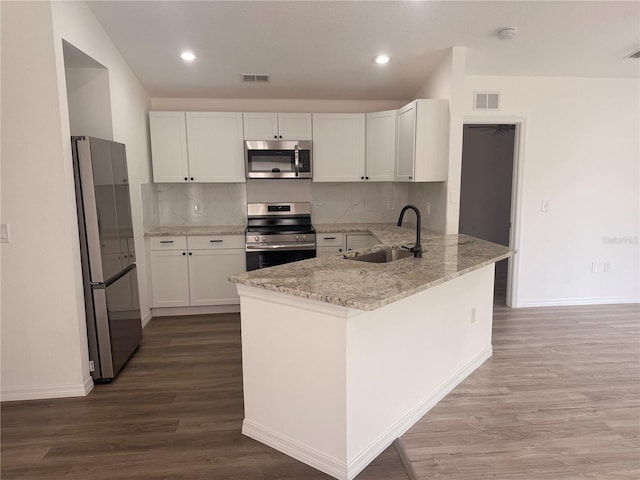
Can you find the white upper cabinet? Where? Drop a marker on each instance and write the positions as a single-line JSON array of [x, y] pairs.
[[169, 147], [381, 146], [277, 126], [423, 141], [338, 147], [215, 145], [196, 147]]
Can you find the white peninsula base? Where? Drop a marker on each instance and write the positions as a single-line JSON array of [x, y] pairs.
[[333, 386]]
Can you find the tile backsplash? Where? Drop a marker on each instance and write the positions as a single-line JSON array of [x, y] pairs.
[[226, 203], [366, 202]]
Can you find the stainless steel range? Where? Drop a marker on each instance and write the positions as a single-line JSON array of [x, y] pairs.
[[278, 233]]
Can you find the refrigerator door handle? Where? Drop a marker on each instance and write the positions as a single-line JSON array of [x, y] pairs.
[[118, 275]]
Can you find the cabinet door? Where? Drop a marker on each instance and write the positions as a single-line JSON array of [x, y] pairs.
[[406, 143], [168, 147], [215, 142], [432, 141], [355, 242], [381, 146], [294, 126], [209, 272], [338, 147], [260, 126], [169, 278], [322, 251]]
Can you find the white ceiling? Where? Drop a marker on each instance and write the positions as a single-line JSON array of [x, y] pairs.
[[323, 49]]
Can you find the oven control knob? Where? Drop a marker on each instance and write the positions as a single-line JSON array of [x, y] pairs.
[[257, 239]]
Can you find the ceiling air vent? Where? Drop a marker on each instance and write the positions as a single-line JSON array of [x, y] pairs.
[[635, 54], [486, 100], [254, 78]]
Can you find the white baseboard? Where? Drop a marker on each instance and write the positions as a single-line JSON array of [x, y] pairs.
[[40, 392], [323, 462], [205, 310], [146, 319], [369, 454], [566, 302], [347, 471]]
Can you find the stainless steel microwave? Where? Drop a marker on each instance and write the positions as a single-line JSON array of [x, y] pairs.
[[285, 159]]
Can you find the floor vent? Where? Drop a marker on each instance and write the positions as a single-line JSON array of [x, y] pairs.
[[254, 78], [486, 101]]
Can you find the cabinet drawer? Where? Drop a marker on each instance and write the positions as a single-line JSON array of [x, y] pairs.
[[329, 239], [320, 251], [168, 243], [207, 242]]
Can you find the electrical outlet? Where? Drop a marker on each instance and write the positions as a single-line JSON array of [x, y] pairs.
[[606, 267], [594, 267], [197, 208], [428, 208], [473, 315]]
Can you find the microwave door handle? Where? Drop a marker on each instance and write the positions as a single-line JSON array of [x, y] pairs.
[[296, 156]]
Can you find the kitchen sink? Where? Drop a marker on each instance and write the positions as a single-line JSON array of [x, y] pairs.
[[382, 256]]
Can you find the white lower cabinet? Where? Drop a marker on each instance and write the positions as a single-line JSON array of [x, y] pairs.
[[194, 271], [355, 241], [333, 242], [209, 272], [169, 278]]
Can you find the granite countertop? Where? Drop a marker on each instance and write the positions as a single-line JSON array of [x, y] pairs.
[[197, 230], [367, 286]]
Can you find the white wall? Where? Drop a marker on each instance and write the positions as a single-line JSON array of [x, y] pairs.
[[88, 94], [42, 311], [273, 105], [445, 82], [44, 349], [582, 155]]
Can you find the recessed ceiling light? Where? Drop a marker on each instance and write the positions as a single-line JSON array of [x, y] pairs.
[[187, 56], [381, 59]]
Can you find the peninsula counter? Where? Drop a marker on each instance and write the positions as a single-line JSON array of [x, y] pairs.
[[341, 357]]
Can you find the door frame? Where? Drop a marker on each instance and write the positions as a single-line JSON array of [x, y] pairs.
[[517, 183]]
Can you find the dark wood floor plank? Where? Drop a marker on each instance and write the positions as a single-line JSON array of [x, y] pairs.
[[559, 399]]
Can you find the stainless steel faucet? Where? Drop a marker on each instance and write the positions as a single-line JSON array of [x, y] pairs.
[[417, 249]]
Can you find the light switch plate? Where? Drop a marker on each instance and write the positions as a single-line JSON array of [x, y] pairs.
[[4, 233]]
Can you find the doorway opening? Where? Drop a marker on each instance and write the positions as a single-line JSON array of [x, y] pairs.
[[487, 192]]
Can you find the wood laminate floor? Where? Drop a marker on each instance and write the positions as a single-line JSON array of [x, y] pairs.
[[559, 399]]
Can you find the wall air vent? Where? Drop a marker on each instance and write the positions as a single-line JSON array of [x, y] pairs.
[[486, 100], [635, 54], [254, 78]]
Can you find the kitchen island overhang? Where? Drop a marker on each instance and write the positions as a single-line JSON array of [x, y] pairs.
[[333, 385]]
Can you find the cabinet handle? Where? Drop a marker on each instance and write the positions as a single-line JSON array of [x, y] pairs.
[[280, 136], [329, 238], [190, 253], [216, 241], [166, 241], [361, 178], [184, 253], [410, 178], [275, 136], [339, 249], [186, 179], [366, 178], [192, 179]]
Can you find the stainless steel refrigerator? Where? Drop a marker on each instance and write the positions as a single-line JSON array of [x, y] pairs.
[[114, 329]]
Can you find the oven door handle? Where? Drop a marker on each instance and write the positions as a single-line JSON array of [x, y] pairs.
[[296, 156], [297, 246]]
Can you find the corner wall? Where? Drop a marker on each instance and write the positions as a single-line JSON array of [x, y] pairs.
[[582, 156], [44, 346], [43, 354]]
